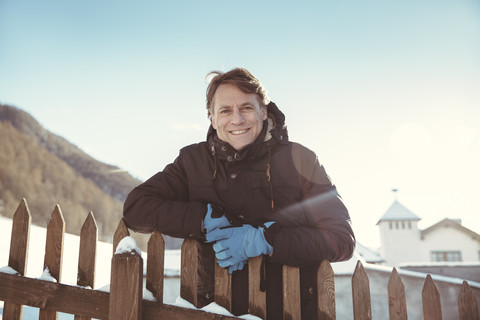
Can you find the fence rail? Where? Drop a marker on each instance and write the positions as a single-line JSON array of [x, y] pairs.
[[125, 300]]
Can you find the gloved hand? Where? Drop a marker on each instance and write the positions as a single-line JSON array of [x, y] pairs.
[[214, 219], [237, 266], [236, 244]]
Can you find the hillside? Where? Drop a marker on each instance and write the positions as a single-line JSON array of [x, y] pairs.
[[47, 170], [110, 179]]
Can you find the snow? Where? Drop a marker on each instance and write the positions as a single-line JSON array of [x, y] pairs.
[[212, 308], [46, 276], [8, 270], [127, 245]]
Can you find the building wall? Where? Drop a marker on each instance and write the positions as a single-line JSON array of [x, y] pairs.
[[400, 243], [451, 239]]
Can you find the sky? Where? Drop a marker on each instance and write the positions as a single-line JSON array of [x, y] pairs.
[[385, 92]]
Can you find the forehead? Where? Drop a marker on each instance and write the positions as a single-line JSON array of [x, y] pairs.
[[229, 95]]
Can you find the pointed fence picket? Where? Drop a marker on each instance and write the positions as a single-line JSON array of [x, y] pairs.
[[18, 252], [467, 303], [202, 282], [361, 294], [397, 303]]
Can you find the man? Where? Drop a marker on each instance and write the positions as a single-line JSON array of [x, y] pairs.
[[250, 191]]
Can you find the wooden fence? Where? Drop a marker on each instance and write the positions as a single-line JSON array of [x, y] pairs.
[[125, 299]]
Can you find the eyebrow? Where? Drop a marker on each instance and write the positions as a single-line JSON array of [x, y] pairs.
[[229, 106]]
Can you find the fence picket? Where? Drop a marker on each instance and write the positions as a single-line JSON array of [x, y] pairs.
[[326, 291], [397, 304], [223, 287], [155, 265], [291, 293], [54, 253], [120, 233], [18, 252], [126, 298], [197, 272], [467, 303], [257, 299], [87, 255], [361, 294], [432, 308]]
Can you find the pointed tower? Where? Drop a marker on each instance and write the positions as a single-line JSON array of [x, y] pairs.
[[400, 239]]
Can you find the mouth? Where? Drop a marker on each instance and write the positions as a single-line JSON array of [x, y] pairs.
[[238, 132]]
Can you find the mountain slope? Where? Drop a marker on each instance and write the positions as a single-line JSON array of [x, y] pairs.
[[109, 178], [47, 170]]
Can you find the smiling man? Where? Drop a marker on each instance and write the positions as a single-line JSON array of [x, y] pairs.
[[249, 191]]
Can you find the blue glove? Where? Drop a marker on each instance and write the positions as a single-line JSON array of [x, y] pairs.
[[237, 244], [237, 266], [211, 223]]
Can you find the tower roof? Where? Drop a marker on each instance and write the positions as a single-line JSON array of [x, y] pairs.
[[398, 212]]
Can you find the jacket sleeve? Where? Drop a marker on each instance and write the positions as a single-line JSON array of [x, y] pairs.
[[316, 228], [161, 204]]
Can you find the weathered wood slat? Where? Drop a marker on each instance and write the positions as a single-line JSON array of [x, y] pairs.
[[120, 233], [432, 308], [155, 265], [126, 287], [188, 273], [291, 293], [223, 287], [257, 299], [18, 252], [87, 252], [53, 296], [197, 272], [54, 253], [397, 304], [87, 255], [326, 291], [361, 294], [467, 303]]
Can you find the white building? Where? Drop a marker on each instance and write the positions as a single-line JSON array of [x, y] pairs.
[[401, 241]]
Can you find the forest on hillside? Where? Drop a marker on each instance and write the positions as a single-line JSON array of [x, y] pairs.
[[31, 172], [47, 170]]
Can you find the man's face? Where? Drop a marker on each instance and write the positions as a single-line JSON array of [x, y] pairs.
[[237, 116]]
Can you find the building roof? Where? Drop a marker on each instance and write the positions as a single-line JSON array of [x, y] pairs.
[[398, 212], [368, 254], [450, 223]]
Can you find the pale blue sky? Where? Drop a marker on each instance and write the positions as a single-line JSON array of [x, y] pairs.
[[387, 93]]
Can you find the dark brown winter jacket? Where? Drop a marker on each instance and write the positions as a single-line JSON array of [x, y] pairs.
[[272, 179]]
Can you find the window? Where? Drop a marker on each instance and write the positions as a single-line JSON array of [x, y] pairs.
[[443, 256]]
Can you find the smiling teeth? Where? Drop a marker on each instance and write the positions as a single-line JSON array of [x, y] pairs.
[[239, 131]]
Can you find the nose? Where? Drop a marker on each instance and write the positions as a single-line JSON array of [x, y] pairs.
[[237, 117]]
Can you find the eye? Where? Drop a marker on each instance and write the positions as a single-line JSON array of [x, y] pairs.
[[224, 112], [247, 108]]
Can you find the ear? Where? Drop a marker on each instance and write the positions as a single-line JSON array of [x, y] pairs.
[[264, 113]]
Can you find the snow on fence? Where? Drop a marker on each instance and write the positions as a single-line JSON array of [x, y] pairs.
[[125, 299]]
